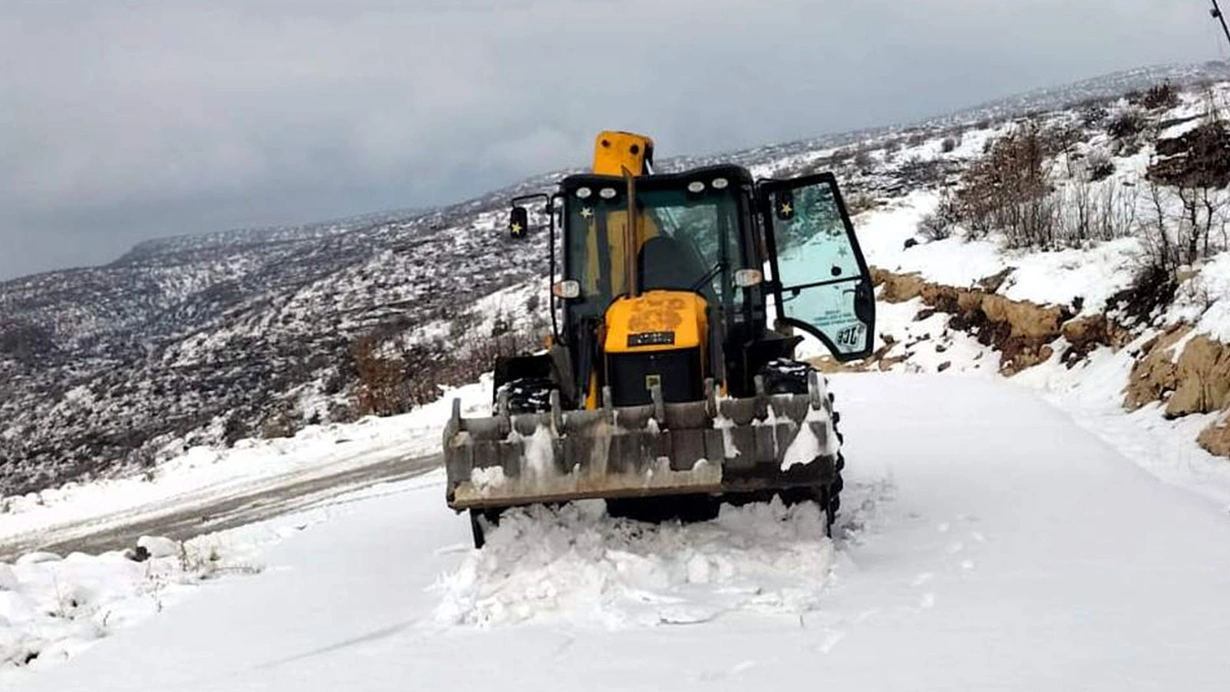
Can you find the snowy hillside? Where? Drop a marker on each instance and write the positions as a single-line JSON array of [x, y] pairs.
[[212, 339]]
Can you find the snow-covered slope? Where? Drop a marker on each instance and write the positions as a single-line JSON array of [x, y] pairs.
[[989, 543]]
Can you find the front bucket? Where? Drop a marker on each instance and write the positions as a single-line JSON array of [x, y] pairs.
[[710, 447]]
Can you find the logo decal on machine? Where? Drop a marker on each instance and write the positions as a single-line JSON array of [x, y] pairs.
[[651, 339]]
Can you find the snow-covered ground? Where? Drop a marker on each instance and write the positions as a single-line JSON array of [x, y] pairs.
[[987, 541]]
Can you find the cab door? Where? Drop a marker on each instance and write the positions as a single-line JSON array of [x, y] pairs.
[[821, 284]]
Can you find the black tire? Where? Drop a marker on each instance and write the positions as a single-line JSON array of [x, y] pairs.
[[821, 495], [833, 495], [783, 376], [527, 394], [480, 520], [829, 502]]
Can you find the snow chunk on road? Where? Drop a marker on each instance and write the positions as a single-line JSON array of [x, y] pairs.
[[577, 564], [52, 609]]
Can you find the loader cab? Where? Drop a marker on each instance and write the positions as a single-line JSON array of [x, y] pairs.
[[769, 259], [692, 234], [743, 266]]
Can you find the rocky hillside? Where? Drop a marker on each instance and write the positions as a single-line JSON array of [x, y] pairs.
[[208, 339], [1085, 251]]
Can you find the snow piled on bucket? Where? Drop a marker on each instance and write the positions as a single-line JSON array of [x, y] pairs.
[[580, 565]]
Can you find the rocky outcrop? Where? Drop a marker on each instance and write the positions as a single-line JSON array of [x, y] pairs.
[[1156, 373], [1216, 438], [1198, 158], [1020, 330], [1204, 378], [1085, 334], [1190, 373]]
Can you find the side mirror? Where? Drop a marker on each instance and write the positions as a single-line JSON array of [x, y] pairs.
[[518, 222], [783, 204]]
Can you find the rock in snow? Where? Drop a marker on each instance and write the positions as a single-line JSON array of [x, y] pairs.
[[158, 546]]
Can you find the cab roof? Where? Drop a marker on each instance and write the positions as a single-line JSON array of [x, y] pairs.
[[736, 175]]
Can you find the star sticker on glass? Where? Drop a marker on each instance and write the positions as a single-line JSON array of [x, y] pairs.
[[586, 212], [787, 209], [515, 228], [843, 252]]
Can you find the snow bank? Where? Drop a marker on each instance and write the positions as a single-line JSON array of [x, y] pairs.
[[578, 565], [1205, 300], [51, 608]]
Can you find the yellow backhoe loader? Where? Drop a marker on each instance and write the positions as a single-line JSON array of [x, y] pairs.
[[670, 384]]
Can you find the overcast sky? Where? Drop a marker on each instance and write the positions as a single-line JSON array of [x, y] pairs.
[[121, 121]]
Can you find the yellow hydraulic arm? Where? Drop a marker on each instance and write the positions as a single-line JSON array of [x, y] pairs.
[[614, 151]]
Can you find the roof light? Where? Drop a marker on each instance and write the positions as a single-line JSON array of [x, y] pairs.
[[720, 183], [584, 192], [607, 193], [567, 289], [696, 186]]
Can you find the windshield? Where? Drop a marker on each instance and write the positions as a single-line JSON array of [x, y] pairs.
[[686, 241]]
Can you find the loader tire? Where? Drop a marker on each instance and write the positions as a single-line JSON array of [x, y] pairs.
[[783, 376], [480, 520], [528, 394], [832, 496]]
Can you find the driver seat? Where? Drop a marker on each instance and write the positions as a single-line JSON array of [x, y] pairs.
[[664, 263]]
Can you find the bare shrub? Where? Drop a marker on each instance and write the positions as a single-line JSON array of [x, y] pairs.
[[1126, 124], [1151, 288], [941, 223], [1093, 113], [393, 377], [1187, 199], [382, 388], [1007, 190], [1099, 166], [862, 160], [1182, 226], [861, 201], [1114, 212], [1078, 211], [1160, 96], [918, 172]]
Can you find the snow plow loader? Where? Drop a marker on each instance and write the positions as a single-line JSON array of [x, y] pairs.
[[670, 384]]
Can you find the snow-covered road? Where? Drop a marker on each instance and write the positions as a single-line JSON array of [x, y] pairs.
[[990, 543], [211, 509]]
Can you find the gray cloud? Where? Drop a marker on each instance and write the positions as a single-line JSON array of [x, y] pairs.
[[127, 120]]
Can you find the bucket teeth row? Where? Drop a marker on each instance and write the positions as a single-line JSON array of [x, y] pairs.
[[654, 449]]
